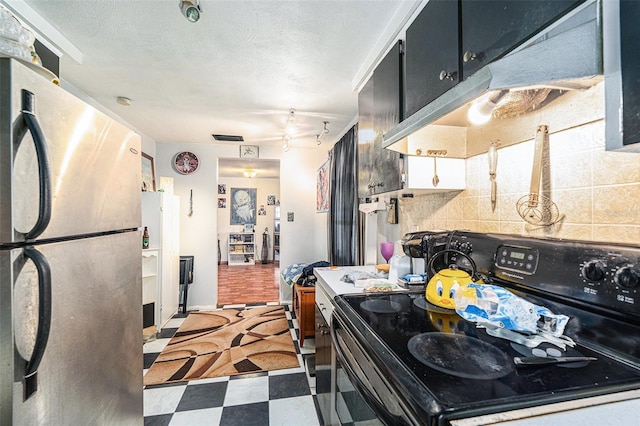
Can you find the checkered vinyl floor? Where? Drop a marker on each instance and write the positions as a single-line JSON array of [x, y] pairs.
[[279, 397]]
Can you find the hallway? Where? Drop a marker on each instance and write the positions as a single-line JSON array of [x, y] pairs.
[[257, 283]]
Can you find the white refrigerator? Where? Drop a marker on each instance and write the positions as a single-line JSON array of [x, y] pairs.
[[70, 269]]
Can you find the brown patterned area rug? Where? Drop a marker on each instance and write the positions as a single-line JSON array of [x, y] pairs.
[[225, 343]]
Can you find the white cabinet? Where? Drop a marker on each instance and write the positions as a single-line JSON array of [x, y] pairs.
[[420, 171], [241, 249], [161, 215]]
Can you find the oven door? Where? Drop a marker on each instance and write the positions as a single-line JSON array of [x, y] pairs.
[[360, 391]]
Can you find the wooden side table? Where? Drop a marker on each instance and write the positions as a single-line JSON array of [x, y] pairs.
[[304, 301]]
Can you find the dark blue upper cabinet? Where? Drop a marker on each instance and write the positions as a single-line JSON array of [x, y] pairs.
[[432, 64], [492, 28], [365, 138], [630, 62], [380, 107], [450, 40]]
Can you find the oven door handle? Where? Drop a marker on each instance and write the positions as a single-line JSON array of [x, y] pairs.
[[376, 406]]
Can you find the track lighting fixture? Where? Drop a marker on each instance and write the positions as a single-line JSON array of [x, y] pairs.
[[290, 126], [324, 131], [289, 130], [190, 9]]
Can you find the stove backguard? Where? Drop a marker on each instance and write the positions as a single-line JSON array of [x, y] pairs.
[[596, 277]]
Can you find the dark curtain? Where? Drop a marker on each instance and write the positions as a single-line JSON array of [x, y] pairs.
[[343, 210]]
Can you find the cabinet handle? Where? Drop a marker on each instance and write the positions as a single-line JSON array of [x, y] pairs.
[[445, 75], [470, 56]]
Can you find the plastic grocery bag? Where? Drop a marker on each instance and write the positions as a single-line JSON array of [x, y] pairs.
[[499, 307]]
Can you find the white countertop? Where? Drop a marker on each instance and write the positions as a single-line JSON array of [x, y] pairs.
[[329, 279], [619, 409]]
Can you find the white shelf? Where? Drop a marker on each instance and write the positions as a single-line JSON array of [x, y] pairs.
[[241, 248]]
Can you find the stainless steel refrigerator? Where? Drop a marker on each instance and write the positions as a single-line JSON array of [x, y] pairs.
[[70, 258]]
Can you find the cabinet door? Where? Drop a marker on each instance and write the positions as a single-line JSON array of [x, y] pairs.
[[431, 51], [388, 112], [380, 107], [365, 139], [492, 28], [323, 367], [629, 42]]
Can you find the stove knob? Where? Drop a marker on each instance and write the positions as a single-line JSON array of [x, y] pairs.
[[627, 277], [593, 270]]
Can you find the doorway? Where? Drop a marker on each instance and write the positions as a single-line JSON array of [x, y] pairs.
[[248, 225]]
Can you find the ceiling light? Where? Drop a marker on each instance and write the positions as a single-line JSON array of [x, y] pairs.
[[322, 133], [290, 125], [190, 9], [481, 110], [124, 101], [249, 173], [289, 130]]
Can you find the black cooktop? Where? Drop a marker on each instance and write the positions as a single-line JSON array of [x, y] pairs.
[[443, 352]]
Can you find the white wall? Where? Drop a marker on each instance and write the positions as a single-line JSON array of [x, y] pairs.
[[263, 188], [303, 240]]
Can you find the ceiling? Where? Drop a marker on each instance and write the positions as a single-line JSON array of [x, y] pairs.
[[237, 71]]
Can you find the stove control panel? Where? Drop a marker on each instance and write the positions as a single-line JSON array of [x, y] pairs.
[[517, 259], [612, 279], [597, 274]]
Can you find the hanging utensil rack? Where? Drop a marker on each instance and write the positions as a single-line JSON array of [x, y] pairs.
[[536, 208]]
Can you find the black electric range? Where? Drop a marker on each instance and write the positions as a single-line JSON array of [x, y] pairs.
[[430, 366]]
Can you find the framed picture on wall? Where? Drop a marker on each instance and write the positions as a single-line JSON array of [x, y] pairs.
[[222, 188], [222, 203], [148, 173], [243, 206], [322, 188], [249, 151]]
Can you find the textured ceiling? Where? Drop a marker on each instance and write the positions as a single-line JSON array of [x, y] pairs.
[[236, 71]]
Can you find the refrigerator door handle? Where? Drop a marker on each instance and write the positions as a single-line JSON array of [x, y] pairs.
[[44, 319], [44, 168]]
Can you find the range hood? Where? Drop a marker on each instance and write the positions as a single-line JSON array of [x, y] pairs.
[[566, 57]]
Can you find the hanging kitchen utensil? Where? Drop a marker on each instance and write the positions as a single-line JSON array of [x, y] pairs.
[[492, 154], [436, 179], [535, 208]]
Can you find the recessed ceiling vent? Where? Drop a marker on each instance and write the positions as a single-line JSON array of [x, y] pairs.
[[228, 138]]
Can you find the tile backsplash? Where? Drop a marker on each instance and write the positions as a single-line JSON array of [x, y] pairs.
[[597, 192]]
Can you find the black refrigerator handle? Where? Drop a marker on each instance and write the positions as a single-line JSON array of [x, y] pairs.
[[44, 319], [44, 169]]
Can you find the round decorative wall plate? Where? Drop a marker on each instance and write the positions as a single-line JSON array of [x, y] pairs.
[[185, 162]]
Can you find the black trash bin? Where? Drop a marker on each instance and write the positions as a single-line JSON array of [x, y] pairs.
[[186, 278]]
